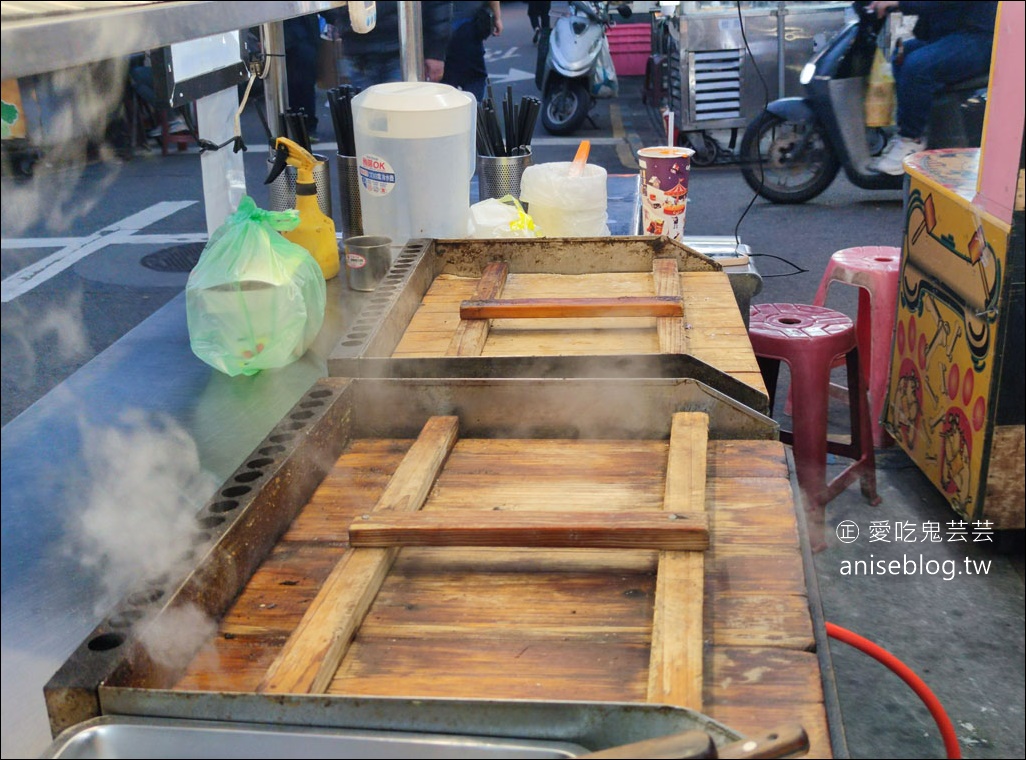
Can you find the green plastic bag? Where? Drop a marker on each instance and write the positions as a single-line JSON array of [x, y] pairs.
[[254, 300]]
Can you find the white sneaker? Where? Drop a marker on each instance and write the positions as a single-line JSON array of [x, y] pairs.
[[897, 150], [176, 125]]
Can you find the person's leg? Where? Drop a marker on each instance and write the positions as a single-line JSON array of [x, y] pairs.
[[925, 71], [363, 72], [464, 61]]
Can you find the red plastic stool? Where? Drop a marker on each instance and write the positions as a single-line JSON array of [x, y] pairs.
[[810, 339], [874, 270]]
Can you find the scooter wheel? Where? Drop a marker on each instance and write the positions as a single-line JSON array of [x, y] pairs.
[[707, 150], [786, 161], [565, 106]]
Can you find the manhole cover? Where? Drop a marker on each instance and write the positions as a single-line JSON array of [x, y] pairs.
[[178, 258]]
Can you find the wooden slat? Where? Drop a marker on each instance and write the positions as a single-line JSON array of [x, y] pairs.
[[471, 335], [314, 650], [538, 623], [670, 329], [675, 668], [560, 308], [510, 668], [588, 530]]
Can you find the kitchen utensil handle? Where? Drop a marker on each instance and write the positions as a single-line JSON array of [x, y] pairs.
[[789, 740], [785, 741]]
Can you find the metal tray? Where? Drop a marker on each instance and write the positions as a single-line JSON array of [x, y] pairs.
[[384, 319], [147, 723], [127, 737], [110, 675]]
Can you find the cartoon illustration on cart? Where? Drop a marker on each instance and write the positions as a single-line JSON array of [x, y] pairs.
[[943, 359], [907, 403], [956, 451], [939, 351], [964, 274]]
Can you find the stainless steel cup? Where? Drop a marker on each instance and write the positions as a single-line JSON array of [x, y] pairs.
[[368, 258]]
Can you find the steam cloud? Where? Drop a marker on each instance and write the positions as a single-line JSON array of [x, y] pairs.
[[143, 488]]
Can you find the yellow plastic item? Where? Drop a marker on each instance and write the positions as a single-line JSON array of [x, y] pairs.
[[316, 230]]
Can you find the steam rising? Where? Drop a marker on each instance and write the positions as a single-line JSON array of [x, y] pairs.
[[173, 637], [143, 487]]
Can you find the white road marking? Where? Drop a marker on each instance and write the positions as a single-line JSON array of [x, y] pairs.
[[163, 239], [38, 242], [513, 75], [32, 276], [498, 55]]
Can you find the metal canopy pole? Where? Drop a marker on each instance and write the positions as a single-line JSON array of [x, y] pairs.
[[781, 51], [276, 98], [411, 41]]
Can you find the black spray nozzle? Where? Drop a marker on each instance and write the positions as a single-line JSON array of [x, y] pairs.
[[281, 157]]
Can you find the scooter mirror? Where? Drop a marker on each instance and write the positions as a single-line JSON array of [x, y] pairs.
[[624, 10]]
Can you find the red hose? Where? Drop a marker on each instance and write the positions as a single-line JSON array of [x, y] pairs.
[[881, 655]]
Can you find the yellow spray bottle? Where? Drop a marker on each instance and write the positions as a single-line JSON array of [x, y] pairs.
[[316, 230]]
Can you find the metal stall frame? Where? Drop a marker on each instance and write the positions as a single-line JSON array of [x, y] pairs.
[[714, 85]]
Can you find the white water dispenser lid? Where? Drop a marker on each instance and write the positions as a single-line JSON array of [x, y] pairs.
[[415, 110]]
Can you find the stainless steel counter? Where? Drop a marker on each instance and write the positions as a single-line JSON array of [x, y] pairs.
[[79, 467]]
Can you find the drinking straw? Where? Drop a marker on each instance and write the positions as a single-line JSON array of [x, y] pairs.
[[577, 166]]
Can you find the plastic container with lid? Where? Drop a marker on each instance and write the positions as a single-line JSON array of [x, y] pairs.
[[564, 205], [415, 146]]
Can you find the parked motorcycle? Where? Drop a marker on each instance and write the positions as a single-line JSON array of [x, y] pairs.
[[793, 150], [575, 67]]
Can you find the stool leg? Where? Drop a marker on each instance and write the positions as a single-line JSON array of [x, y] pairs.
[[862, 429], [810, 385], [861, 447], [876, 353], [770, 369]]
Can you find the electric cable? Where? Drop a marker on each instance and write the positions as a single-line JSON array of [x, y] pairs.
[[762, 175], [906, 674]]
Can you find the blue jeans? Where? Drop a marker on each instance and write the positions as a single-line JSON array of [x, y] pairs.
[[364, 71], [465, 60], [927, 67]]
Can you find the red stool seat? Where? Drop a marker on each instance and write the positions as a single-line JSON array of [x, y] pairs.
[[874, 270], [809, 339]]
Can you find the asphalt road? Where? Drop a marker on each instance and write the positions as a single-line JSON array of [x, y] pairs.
[[70, 209]]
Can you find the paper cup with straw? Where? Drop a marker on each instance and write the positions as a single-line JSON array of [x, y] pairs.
[[664, 183]]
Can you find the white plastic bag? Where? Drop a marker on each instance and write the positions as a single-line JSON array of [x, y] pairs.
[[604, 83], [563, 205], [500, 218]]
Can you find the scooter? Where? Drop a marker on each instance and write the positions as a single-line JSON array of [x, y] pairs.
[[794, 149], [575, 67]]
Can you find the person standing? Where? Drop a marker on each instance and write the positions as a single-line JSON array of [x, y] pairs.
[[952, 41], [472, 23], [538, 15], [302, 38], [374, 57]]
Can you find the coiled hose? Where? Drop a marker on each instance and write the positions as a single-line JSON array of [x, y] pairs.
[[884, 657]]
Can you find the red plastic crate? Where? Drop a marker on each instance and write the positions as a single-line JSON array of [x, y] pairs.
[[630, 45]]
